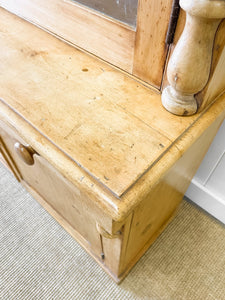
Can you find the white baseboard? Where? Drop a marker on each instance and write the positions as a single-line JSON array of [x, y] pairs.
[[207, 199]]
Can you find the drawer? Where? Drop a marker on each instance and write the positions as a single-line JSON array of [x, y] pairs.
[[65, 198]]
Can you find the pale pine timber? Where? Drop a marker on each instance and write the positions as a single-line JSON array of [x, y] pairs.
[[46, 87], [95, 88], [189, 66], [104, 37], [141, 51], [160, 202], [150, 50], [216, 83]]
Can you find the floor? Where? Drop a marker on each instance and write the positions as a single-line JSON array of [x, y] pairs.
[[39, 260]]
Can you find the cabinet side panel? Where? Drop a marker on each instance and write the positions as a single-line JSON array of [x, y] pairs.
[[153, 214]]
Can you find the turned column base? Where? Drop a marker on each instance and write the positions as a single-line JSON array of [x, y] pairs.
[[178, 103]]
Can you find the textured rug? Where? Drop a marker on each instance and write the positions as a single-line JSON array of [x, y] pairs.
[[39, 260]]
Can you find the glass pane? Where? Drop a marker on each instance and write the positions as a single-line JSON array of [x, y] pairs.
[[122, 10]]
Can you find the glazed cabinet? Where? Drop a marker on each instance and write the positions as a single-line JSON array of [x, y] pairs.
[[106, 111]]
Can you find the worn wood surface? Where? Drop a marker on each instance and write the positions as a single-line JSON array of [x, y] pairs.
[[160, 204], [83, 27], [103, 203], [153, 207], [53, 187], [64, 81], [140, 51], [84, 119], [68, 203]]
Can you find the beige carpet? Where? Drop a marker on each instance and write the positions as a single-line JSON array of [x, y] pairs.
[[39, 260]]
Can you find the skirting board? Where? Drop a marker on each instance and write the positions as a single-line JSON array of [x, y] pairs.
[[207, 199]]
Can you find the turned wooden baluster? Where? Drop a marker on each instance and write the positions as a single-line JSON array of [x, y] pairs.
[[189, 66]]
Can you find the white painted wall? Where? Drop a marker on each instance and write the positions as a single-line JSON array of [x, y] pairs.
[[207, 188]]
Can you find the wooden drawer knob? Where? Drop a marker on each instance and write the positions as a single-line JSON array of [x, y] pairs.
[[25, 153]]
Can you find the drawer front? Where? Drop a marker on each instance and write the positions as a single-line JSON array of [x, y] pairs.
[[53, 187]]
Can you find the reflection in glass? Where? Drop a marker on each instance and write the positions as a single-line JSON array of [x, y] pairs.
[[122, 10]]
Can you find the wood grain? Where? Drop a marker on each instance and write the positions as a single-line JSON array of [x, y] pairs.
[[55, 80], [103, 203], [150, 47], [216, 84], [189, 66], [141, 51], [53, 187], [160, 205], [76, 235], [69, 108], [53, 72], [83, 27]]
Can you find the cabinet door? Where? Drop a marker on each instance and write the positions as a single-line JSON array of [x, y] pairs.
[[129, 34], [53, 187], [67, 203]]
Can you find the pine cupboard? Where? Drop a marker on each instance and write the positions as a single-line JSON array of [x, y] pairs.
[[82, 125]]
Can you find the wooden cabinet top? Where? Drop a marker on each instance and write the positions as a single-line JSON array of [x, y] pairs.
[[107, 123]]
